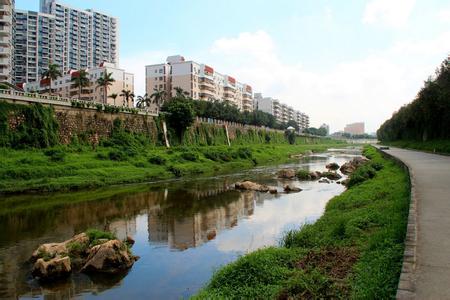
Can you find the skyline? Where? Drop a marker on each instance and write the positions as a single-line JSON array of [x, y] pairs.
[[310, 55]]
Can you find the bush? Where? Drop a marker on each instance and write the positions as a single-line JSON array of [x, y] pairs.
[[95, 234], [175, 171], [244, 153], [157, 160], [303, 174], [55, 155], [101, 156], [190, 156], [117, 155], [361, 174]]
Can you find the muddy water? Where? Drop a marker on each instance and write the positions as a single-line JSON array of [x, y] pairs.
[[184, 230]]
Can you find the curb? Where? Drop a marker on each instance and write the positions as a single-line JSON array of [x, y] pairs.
[[407, 282]]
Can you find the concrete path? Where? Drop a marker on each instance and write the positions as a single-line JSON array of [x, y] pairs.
[[431, 177]]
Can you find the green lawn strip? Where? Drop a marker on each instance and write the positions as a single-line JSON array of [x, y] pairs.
[[439, 146], [72, 168], [353, 251]]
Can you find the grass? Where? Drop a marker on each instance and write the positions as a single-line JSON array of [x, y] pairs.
[[439, 146], [353, 251], [65, 168]]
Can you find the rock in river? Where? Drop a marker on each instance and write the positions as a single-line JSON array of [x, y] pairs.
[[110, 257], [252, 186], [51, 269], [286, 173], [291, 189]]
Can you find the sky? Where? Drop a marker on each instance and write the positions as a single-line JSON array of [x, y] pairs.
[[338, 61]]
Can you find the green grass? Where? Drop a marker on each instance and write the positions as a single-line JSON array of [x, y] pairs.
[[439, 146], [78, 167], [353, 251]]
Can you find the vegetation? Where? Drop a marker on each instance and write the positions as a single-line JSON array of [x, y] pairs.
[[127, 97], [427, 118], [438, 146], [353, 251], [314, 131], [104, 82], [80, 80], [52, 73], [179, 115]]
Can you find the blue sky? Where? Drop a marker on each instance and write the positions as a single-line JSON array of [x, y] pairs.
[[339, 61]]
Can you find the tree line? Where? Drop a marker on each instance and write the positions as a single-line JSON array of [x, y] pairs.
[[425, 118]]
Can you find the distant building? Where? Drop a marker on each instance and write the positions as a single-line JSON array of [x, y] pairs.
[[282, 112], [6, 40], [63, 86], [199, 81], [327, 128], [355, 128]]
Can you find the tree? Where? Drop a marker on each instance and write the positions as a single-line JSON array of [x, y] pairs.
[[180, 115], [158, 96], [143, 101], [127, 96], [104, 82], [113, 96], [180, 93], [292, 123], [52, 73], [80, 80]]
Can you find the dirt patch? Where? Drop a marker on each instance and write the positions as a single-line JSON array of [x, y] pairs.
[[333, 262]]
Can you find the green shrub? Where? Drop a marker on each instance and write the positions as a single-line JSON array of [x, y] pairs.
[[361, 174], [95, 234], [55, 155], [157, 160], [303, 174], [244, 153], [190, 156], [101, 156], [117, 155], [175, 171]]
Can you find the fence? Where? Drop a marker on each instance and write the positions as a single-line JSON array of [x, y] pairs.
[[57, 100]]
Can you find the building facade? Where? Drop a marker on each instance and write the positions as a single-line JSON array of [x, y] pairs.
[[33, 44], [64, 86], [72, 38], [355, 128], [199, 81], [282, 112], [6, 40]]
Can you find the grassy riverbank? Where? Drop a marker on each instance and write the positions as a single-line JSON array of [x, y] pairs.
[[438, 146], [353, 251], [77, 167]]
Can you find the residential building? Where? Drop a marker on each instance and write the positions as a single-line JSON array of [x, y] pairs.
[[326, 127], [355, 128], [72, 38], [64, 87], [282, 112], [6, 40], [199, 81], [33, 44]]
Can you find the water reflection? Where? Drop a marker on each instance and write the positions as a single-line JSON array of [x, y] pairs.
[[183, 230]]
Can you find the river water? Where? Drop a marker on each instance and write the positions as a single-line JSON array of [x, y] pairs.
[[184, 230]]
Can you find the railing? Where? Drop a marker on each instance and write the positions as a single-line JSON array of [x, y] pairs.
[[57, 100]]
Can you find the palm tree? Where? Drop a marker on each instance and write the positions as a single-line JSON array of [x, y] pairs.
[[127, 95], [143, 101], [104, 82], [180, 93], [113, 96], [80, 80], [52, 73], [158, 96]]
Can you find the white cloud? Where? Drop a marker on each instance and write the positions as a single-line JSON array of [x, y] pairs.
[[391, 13], [368, 89], [444, 15]]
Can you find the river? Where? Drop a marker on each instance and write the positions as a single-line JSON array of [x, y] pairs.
[[184, 229]]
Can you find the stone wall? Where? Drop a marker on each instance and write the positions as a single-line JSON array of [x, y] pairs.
[[97, 125]]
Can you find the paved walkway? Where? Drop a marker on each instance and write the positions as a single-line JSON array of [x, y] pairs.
[[431, 176]]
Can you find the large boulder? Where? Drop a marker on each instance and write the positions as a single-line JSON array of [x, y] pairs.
[[51, 269], [110, 257], [291, 189], [315, 175], [252, 186], [52, 250], [332, 166], [286, 173], [331, 175], [351, 166]]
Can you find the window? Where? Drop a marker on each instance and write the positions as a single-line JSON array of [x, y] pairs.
[[160, 70]]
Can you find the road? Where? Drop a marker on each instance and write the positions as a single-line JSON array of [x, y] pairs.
[[431, 175]]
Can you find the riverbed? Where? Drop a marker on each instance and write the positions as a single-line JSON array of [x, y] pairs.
[[184, 229]]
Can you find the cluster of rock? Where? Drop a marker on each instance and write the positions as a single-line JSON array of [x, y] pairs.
[[253, 186], [58, 260], [351, 166]]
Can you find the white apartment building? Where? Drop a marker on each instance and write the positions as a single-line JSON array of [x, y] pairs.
[[72, 38], [33, 39], [6, 40], [282, 112], [200, 81], [64, 87]]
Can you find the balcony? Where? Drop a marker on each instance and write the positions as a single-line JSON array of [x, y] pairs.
[[5, 30]]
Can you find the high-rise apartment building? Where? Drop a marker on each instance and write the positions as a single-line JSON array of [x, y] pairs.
[[33, 44], [6, 40], [282, 112], [200, 81], [72, 38], [355, 128]]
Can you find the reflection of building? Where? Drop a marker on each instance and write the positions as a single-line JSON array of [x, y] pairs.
[[199, 81], [123, 228], [182, 232], [354, 128]]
